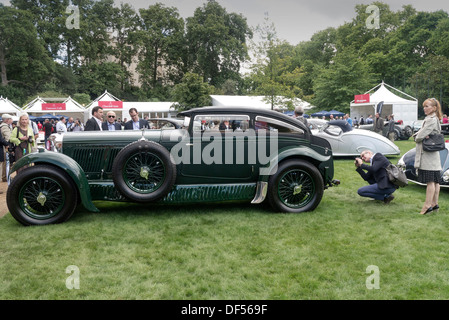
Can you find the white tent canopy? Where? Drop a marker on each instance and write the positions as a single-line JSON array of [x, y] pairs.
[[252, 101], [7, 106], [111, 103], [106, 96], [68, 106], [108, 102], [150, 109], [403, 109]]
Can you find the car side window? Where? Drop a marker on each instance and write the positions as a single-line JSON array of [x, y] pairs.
[[270, 124], [333, 130], [220, 123]]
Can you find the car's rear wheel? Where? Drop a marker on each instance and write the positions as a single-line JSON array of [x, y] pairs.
[[297, 186], [396, 135], [144, 171], [42, 195]]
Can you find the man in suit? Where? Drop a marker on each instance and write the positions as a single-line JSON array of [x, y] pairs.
[[378, 124], [135, 123], [380, 187], [95, 123], [110, 124]]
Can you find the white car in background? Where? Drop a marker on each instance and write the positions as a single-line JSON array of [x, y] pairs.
[[347, 141]]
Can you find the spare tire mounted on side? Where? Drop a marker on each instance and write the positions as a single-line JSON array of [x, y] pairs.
[[144, 171]]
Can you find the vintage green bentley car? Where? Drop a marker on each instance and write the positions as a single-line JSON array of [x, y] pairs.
[[220, 154]]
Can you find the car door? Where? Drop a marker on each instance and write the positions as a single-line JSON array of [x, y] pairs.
[[219, 149]]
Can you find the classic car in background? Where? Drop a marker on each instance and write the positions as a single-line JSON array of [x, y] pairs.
[[418, 123], [316, 124], [401, 132], [445, 128], [407, 163], [165, 123], [347, 141], [238, 154]]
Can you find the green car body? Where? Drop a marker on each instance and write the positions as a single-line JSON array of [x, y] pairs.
[[265, 154]]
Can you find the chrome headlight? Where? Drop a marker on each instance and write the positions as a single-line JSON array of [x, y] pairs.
[[401, 164], [56, 142]]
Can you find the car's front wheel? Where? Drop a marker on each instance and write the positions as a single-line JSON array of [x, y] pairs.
[[42, 195], [297, 186]]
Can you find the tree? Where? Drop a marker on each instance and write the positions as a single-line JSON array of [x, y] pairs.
[[335, 86], [192, 92], [217, 43], [161, 39], [125, 39], [273, 74], [95, 77], [23, 58], [48, 17]]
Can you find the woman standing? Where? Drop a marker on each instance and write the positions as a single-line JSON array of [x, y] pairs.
[[22, 137], [428, 163]]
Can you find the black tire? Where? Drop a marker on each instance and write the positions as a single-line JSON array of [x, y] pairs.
[[296, 187], [396, 135], [42, 195], [144, 171], [408, 132]]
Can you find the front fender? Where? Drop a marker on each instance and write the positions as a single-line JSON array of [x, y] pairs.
[[67, 164]]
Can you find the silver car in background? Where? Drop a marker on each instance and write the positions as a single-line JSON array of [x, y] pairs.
[[347, 141]]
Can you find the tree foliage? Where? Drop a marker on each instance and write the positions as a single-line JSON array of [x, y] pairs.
[[217, 43], [192, 92]]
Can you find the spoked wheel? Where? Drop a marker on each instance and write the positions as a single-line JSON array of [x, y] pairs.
[[42, 195], [296, 187], [143, 171]]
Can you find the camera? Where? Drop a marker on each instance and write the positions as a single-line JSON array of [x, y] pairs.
[[11, 148], [30, 139]]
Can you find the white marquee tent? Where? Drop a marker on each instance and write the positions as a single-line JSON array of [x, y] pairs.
[[251, 101], [151, 109], [403, 109], [68, 107], [7, 106], [108, 102]]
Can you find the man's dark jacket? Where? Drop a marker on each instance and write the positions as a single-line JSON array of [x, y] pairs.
[[142, 124], [5, 143], [376, 173], [105, 127], [92, 125]]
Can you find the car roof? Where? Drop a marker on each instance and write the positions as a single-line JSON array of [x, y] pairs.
[[343, 124], [261, 112]]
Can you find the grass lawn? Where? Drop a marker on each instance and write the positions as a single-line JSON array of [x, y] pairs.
[[237, 251]]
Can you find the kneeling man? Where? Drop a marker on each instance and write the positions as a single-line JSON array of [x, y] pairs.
[[380, 187]]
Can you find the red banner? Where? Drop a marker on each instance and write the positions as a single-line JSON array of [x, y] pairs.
[[53, 106], [111, 104], [361, 98]]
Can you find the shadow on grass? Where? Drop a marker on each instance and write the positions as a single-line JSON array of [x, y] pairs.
[[164, 211]]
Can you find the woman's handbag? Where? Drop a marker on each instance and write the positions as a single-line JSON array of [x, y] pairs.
[[435, 142]]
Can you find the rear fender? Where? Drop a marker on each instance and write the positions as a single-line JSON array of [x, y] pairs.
[[301, 151], [65, 163]]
